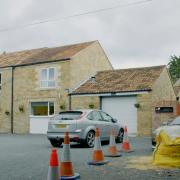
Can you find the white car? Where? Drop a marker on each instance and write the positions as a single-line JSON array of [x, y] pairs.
[[172, 127]]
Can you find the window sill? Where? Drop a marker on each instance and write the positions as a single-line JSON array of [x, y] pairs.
[[50, 116], [46, 89]]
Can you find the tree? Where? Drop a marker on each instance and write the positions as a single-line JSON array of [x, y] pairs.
[[174, 67]]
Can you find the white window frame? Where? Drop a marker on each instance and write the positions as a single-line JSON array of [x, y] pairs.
[[47, 80], [1, 81], [31, 115]]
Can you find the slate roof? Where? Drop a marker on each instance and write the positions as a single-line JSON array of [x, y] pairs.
[[41, 55], [121, 80]]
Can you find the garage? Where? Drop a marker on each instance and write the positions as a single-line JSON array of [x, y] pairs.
[[40, 114], [130, 95], [123, 109]]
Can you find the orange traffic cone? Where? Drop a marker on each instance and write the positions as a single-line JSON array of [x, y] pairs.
[[53, 171], [112, 150], [125, 145], [66, 167], [98, 156]]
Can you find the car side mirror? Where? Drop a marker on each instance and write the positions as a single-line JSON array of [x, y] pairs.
[[114, 120]]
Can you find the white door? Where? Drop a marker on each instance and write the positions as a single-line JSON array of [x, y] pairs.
[[39, 125], [123, 109], [40, 115]]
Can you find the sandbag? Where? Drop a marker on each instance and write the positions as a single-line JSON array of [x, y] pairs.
[[167, 151]]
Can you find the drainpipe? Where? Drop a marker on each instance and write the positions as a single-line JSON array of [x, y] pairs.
[[69, 101], [69, 97], [12, 99]]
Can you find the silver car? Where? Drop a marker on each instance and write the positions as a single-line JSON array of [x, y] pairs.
[[81, 126]]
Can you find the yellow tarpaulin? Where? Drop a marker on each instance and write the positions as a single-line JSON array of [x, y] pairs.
[[167, 151]]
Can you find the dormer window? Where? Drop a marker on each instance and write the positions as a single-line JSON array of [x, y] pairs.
[[47, 78]]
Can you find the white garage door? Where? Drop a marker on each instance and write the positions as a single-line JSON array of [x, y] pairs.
[[123, 109], [41, 112]]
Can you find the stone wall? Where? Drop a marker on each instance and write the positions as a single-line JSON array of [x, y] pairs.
[[84, 102], [27, 89], [144, 114], [86, 63], [5, 100], [163, 95]]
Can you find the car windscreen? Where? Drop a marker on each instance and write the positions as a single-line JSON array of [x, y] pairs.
[[68, 115], [176, 121]]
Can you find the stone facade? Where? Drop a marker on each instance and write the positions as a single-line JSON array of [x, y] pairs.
[[5, 100], [27, 85], [162, 95], [79, 102]]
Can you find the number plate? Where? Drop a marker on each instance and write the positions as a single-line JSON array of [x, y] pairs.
[[61, 125]]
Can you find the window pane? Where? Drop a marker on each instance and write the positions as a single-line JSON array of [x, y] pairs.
[[96, 116], [68, 115], [51, 83], [44, 74], [51, 108], [51, 73], [39, 108], [106, 117]]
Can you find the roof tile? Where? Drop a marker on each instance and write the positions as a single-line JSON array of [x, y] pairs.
[[122, 80], [41, 55]]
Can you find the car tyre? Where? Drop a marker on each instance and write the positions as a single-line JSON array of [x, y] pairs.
[[56, 143], [120, 136], [90, 137]]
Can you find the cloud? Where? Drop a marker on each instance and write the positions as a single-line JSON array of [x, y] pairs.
[[141, 35]]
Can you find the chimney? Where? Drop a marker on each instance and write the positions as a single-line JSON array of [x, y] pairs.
[[93, 79]]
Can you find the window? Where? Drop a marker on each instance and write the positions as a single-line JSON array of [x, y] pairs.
[[0, 81], [164, 109], [42, 108], [69, 115], [94, 116], [47, 78], [106, 117]]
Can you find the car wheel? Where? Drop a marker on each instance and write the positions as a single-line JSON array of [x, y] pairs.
[[56, 143], [120, 136], [90, 139]]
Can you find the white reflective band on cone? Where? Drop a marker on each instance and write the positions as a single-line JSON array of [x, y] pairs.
[[66, 155], [97, 144], [53, 173], [125, 139], [112, 141]]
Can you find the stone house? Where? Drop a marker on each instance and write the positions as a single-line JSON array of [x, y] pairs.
[[34, 84], [141, 98]]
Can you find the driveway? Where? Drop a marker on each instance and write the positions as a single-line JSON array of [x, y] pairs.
[[27, 156]]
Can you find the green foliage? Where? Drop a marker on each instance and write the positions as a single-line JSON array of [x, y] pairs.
[[21, 108], [7, 112], [91, 105], [62, 106], [174, 67]]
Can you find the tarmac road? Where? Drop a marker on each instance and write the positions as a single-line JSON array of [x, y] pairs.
[[26, 157]]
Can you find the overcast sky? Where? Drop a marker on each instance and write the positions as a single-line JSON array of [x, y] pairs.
[[139, 35]]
